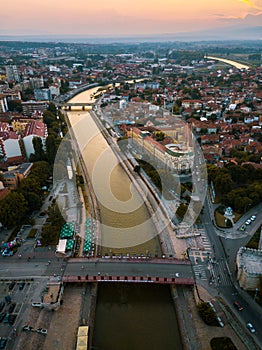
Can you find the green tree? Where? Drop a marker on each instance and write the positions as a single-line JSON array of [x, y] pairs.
[[51, 149], [39, 150], [42, 171], [223, 183], [13, 209], [52, 108], [14, 106]]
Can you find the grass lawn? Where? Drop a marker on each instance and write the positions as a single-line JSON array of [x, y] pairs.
[[220, 219]]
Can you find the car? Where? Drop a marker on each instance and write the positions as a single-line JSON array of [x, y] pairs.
[[27, 328], [21, 285], [250, 327], [238, 306], [242, 228], [212, 306], [221, 324], [7, 252], [37, 304], [11, 319], [11, 307], [2, 316], [41, 330], [6, 318], [253, 218], [248, 222], [11, 285], [3, 342], [2, 305]]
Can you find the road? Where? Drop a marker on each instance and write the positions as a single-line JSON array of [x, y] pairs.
[[224, 275], [39, 268]]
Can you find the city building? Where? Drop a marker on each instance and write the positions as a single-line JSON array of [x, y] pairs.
[[3, 103], [15, 175], [33, 129], [176, 157], [30, 107], [12, 73], [42, 95], [249, 268]]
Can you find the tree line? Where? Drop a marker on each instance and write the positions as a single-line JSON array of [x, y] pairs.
[[237, 186], [17, 206]]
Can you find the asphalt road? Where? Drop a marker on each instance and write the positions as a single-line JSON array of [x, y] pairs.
[[35, 268], [224, 270], [125, 268]]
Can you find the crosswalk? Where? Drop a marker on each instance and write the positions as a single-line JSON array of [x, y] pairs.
[[215, 273], [200, 272], [222, 276]]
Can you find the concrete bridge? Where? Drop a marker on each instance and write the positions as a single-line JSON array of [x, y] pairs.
[[161, 271], [68, 105]]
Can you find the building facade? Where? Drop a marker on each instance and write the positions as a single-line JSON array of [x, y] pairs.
[[249, 268]]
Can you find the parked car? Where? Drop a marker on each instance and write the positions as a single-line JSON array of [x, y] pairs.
[[3, 342], [11, 308], [248, 222], [6, 318], [253, 218], [7, 252], [242, 228], [250, 327], [2, 305], [221, 324], [238, 306], [37, 304], [212, 306], [27, 328], [11, 319], [21, 285], [11, 285], [41, 330]]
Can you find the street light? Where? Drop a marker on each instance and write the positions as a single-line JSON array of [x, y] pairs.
[[255, 295]]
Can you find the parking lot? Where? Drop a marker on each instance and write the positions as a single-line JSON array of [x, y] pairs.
[[16, 297]]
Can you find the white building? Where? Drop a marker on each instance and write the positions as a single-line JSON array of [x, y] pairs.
[[12, 147], [34, 129], [3, 104]]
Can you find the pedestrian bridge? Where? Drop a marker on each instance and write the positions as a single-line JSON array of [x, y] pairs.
[[161, 271]]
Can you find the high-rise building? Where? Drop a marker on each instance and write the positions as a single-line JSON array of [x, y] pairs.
[[42, 95], [12, 73]]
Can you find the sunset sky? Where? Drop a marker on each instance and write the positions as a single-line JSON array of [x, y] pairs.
[[121, 17]]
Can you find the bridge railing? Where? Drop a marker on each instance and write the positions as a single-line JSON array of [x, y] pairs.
[[130, 279]]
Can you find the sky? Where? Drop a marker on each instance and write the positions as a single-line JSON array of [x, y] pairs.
[[122, 17]]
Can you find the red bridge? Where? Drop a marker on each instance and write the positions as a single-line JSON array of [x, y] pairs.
[[162, 271], [133, 279]]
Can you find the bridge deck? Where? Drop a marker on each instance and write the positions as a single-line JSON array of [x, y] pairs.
[[164, 271], [130, 279]]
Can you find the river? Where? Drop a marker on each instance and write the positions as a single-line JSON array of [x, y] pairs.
[[128, 316], [135, 316], [126, 225], [231, 63]]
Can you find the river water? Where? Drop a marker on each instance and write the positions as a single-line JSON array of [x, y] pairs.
[[126, 224], [135, 317], [232, 63], [128, 316]]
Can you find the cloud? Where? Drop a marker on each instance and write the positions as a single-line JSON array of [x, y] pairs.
[[251, 4], [248, 19]]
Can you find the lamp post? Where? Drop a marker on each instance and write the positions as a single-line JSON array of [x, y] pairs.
[[255, 295]]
